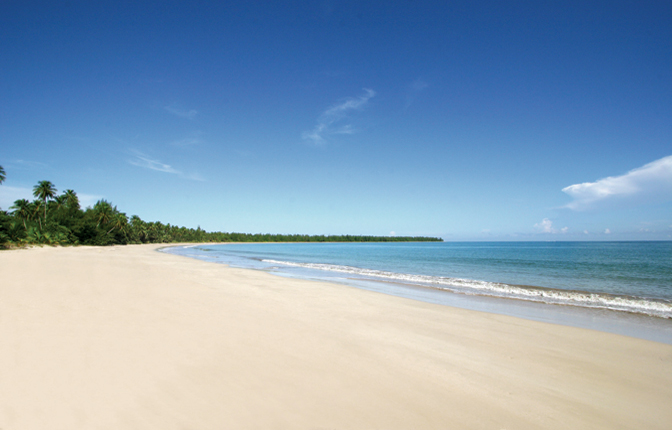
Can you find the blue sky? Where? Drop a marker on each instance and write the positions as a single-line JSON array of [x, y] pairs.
[[479, 120]]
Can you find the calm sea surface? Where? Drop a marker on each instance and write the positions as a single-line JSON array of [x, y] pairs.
[[634, 278]]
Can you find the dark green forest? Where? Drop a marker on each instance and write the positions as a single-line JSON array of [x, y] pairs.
[[58, 219]]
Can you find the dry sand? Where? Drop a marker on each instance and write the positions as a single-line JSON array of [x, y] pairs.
[[130, 338]]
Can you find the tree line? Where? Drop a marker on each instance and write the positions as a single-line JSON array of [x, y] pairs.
[[58, 219]]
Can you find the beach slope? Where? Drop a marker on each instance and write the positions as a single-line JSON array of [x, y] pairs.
[[131, 338]]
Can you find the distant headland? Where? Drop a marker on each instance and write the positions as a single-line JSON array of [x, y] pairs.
[[58, 219]]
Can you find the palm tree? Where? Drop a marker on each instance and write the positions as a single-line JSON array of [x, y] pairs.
[[34, 211], [104, 212], [59, 202], [71, 199], [21, 209], [138, 229], [44, 190], [119, 221], [3, 175]]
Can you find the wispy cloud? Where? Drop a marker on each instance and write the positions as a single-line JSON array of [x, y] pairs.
[[331, 121], [146, 162], [175, 109], [192, 139], [414, 89], [26, 164], [647, 184], [187, 142]]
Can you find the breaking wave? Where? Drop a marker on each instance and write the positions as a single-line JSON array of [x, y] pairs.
[[653, 307]]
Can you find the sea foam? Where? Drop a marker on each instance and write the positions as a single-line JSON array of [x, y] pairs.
[[653, 307]]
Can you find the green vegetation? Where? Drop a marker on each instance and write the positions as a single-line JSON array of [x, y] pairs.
[[54, 219]]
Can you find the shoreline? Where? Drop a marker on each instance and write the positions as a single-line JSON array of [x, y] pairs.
[[126, 337], [617, 321]]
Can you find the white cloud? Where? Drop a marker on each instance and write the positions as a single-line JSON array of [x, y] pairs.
[[546, 226], [181, 112], [607, 231], [647, 184], [328, 122]]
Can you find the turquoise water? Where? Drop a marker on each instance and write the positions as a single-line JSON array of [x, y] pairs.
[[635, 277]]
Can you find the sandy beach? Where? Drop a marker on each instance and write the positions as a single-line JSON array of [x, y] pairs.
[[130, 338]]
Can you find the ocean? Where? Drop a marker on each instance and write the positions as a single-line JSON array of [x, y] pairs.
[[587, 284]]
